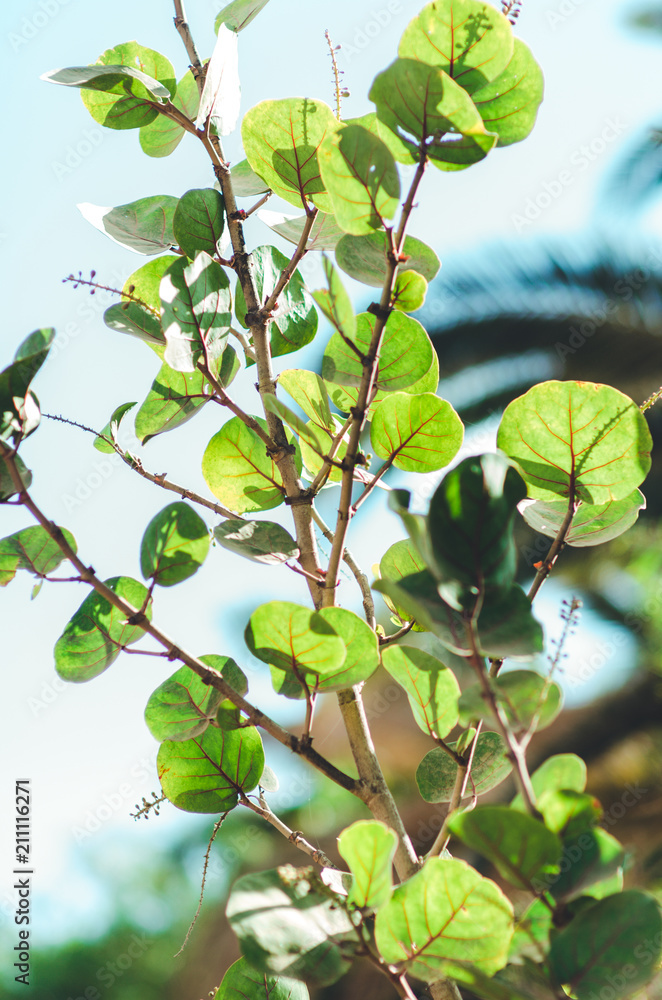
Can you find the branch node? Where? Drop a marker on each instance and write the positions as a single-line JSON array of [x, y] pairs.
[[381, 312]]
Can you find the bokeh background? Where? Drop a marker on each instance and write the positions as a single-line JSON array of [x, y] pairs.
[[552, 268]]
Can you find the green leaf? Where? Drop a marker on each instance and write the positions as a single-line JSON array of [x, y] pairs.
[[426, 104], [239, 14], [581, 440], [7, 488], [409, 291], [144, 284], [17, 413], [568, 812], [196, 305], [469, 40], [592, 524], [335, 303], [445, 912], [308, 432], [421, 433], [97, 633], [174, 398], [199, 220], [162, 136], [431, 687], [400, 559], [246, 183], [262, 541], [309, 392], [174, 546], [406, 354], [205, 774], [369, 847], [144, 226], [238, 470], [403, 152], [588, 858], [313, 456], [32, 549], [564, 770], [617, 940], [294, 322], [360, 174], [281, 140], [324, 235], [111, 430], [365, 258], [243, 982], [183, 706], [134, 319], [531, 937], [289, 923], [122, 102], [362, 650], [435, 775], [520, 847], [509, 105], [528, 700], [470, 525]]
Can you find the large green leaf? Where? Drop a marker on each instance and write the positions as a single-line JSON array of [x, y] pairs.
[[162, 136], [446, 911], [421, 105], [611, 948], [324, 235], [362, 650], [19, 412], [469, 40], [400, 559], [581, 440], [97, 633], [32, 549], [435, 775], [198, 221], [360, 174], [238, 470], [239, 14], [509, 105], [470, 525], [145, 283], [173, 399], [262, 541], [174, 546], [206, 774], [431, 687], [281, 139], [588, 858], [289, 923], [369, 847], [144, 226], [365, 258], [183, 706], [520, 847], [132, 318], [592, 524], [196, 305], [568, 812], [526, 698], [309, 392], [564, 770], [294, 321], [243, 982], [422, 433]]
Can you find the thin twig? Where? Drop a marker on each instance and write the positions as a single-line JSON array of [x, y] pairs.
[[323, 474], [359, 575], [182, 27], [461, 780], [385, 640], [225, 400], [243, 340], [294, 836], [217, 827], [288, 271], [556, 547]]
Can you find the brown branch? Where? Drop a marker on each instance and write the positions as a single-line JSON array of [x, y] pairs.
[[359, 575], [294, 836], [557, 545], [287, 272], [181, 24], [464, 766], [328, 459], [226, 400]]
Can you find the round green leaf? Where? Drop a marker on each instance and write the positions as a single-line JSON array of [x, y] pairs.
[[446, 912], [205, 774], [262, 541], [509, 105], [111, 430], [360, 174], [162, 136], [181, 707], [145, 283], [7, 488], [174, 546], [527, 699], [199, 220], [615, 941], [431, 687], [401, 559], [369, 847], [469, 40], [32, 549], [435, 775], [409, 291], [520, 847], [238, 470], [361, 646], [196, 308], [592, 524], [324, 235], [174, 398], [16, 378], [421, 433], [309, 392], [243, 982], [346, 396], [289, 923], [133, 319], [281, 140], [97, 633], [365, 258], [577, 439], [564, 770], [144, 226], [245, 182], [568, 812], [588, 858]]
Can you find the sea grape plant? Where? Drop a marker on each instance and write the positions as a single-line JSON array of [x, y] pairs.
[[571, 457]]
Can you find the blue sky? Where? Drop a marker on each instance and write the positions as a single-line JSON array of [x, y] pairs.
[[86, 747]]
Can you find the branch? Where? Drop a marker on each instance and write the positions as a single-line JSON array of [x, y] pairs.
[[323, 474], [460, 787], [557, 545], [359, 575], [245, 418], [207, 674], [287, 272], [294, 836], [182, 27]]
